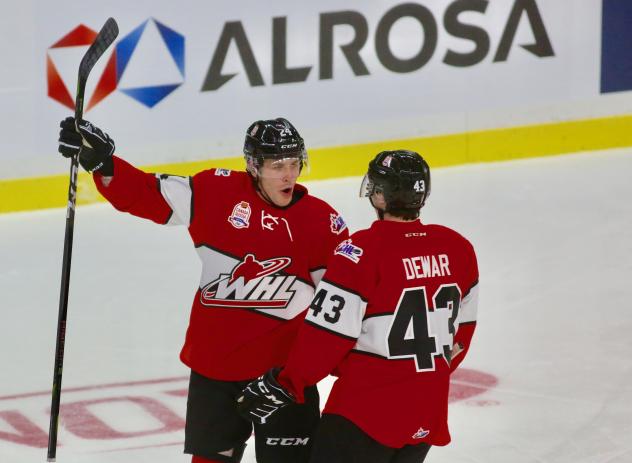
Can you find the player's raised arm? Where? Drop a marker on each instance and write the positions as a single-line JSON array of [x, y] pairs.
[[127, 188]]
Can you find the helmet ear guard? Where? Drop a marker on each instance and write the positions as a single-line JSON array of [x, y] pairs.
[[403, 178]]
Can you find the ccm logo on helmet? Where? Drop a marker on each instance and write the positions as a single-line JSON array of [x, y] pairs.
[[287, 441], [293, 145]]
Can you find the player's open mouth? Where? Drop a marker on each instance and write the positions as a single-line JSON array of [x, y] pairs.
[[287, 191]]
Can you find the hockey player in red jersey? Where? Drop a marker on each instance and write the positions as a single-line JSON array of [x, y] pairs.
[[264, 242], [392, 317]]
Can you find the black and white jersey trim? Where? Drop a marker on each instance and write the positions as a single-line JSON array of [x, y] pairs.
[[382, 314], [397, 359], [376, 327], [321, 327], [337, 309], [345, 289], [178, 193], [469, 307]]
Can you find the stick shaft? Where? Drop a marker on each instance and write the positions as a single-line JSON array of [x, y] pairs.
[[63, 311], [103, 40]]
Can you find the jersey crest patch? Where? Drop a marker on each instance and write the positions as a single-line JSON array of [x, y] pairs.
[[349, 250], [251, 284], [337, 223], [240, 218], [268, 221]]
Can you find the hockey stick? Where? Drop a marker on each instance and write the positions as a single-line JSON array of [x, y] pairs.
[[103, 40]]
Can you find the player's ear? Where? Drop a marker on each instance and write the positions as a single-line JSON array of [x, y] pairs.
[[378, 200]]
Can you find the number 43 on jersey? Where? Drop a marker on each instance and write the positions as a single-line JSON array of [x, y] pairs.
[[417, 330]]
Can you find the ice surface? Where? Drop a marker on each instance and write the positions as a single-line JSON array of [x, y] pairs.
[[548, 378]]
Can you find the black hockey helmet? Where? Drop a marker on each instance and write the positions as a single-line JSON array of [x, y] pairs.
[[403, 177], [274, 139]]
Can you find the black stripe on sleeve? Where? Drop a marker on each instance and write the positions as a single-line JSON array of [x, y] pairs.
[[345, 289], [381, 314], [340, 335]]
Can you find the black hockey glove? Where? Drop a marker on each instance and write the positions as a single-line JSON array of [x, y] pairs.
[[96, 155], [262, 397]]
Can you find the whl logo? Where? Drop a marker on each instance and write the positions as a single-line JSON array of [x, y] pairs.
[[251, 285], [147, 65]]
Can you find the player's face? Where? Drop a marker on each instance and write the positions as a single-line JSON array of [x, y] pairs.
[[277, 179]]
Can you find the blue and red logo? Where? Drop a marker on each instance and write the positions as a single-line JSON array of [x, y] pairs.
[[349, 250], [117, 65], [58, 90], [337, 224]]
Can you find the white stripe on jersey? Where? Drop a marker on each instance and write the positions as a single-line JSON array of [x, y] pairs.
[[317, 275], [337, 309], [375, 329], [177, 192], [375, 335], [469, 307]]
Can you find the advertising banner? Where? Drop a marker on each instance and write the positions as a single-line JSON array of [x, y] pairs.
[[185, 79]]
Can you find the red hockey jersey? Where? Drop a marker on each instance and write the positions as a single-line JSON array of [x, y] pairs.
[[260, 264], [393, 302]]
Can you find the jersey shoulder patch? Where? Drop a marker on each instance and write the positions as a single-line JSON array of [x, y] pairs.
[[337, 223], [323, 212], [349, 250], [226, 179]]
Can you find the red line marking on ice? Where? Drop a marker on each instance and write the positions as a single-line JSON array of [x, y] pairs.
[[141, 447], [96, 387]]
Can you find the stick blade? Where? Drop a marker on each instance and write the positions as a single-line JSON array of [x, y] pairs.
[[103, 40]]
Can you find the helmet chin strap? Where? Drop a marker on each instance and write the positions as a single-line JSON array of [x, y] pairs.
[[263, 192], [266, 196]]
